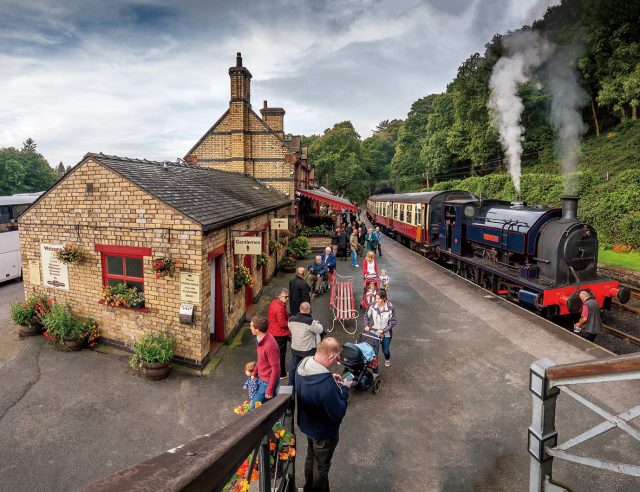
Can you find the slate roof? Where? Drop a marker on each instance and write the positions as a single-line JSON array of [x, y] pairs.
[[211, 197]]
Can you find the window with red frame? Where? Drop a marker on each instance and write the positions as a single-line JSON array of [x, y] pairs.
[[118, 269]]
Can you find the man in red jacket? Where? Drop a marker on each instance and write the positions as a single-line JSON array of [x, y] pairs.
[[267, 368], [279, 326]]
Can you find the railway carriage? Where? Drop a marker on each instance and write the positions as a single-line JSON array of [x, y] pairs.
[[537, 256]]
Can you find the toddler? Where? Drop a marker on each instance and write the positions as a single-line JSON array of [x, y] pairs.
[[251, 385], [370, 296], [384, 279]]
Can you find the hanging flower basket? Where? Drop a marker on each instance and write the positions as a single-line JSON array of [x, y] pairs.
[[242, 276], [164, 266], [70, 253], [263, 260]]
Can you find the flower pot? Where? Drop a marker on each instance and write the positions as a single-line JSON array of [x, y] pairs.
[[30, 330], [155, 370], [73, 343], [288, 268]]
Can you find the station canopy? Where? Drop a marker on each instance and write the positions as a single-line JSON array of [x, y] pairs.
[[335, 202]]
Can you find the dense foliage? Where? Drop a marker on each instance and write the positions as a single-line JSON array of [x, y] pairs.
[[25, 170], [449, 135]]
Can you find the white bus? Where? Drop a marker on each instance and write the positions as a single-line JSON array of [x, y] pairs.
[[10, 209]]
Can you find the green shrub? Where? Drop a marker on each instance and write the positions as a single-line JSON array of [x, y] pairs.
[[299, 247], [61, 322], [30, 311], [315, 231], [152, 347]]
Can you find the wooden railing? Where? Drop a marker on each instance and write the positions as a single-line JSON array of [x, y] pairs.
[[546, 381], [206, 463]]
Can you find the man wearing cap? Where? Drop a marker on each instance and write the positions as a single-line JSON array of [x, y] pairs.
[[267, 370]]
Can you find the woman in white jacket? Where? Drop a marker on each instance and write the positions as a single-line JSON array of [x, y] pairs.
[[381, 318]]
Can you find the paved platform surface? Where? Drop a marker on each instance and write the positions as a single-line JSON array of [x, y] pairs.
[[452, 414]]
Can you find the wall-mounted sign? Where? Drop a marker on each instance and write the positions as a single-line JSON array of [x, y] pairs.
[[190, 287], [55, 274], [247, 245], [280, 224], [34, 272]]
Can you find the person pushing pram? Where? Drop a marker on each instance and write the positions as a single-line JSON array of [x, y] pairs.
[[380, 319]]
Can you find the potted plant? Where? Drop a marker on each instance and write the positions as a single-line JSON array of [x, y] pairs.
[[29, 313], [64, 328], [91, 332], [242, 276], [299, 247], [70, 253], [152, 354], [121, 295], [288, 264], [263, 260], [164, 266]]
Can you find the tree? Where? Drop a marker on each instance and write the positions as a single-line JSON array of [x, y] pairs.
[[60, 171], [29, 145], [24, 171], [337, 157]]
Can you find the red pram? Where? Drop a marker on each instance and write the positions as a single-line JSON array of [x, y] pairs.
[[369, 297]]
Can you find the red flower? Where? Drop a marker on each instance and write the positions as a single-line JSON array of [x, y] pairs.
[[157, 275]]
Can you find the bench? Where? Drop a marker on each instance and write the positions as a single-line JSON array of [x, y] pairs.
[[342, 303]]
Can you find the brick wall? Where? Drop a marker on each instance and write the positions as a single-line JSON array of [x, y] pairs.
[[119, 213], [116, 213]]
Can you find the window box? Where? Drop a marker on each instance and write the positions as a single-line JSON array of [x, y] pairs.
[[143, 309]]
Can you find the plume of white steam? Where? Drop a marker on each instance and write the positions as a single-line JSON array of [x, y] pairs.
[[526, 50], [567, 97]]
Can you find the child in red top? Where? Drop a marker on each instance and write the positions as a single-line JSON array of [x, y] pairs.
[[267, 369]]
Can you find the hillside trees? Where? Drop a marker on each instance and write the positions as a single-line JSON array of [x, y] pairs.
[[337, 157], [24, 171]]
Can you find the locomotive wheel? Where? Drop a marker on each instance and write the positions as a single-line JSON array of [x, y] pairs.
[[376, 386]]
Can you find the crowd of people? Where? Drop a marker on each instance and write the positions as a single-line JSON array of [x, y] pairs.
[[321, 395]]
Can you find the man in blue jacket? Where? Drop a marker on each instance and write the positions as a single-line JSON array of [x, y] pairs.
[[321, 398], [329, 259]]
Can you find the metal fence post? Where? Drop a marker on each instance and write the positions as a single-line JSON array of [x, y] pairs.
[[290, 427], [542, 432], [265, 465]]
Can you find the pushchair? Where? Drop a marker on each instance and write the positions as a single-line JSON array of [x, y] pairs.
[[360, 362], [366, 301]]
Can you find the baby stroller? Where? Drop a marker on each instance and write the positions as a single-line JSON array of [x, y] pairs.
[[367, 300], [360, 360]]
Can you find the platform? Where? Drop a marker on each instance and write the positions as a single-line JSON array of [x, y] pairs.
[[454, 408]]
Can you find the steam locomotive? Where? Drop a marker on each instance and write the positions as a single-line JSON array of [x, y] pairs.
[[538, 257]]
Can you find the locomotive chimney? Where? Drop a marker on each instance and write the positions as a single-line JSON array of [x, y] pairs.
[[569, 208]]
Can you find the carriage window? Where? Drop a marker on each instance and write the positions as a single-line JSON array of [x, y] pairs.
[[395, 211], [409, 213], [401, 213]]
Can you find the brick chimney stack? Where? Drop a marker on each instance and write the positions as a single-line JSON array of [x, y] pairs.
[[240, 83], [274, 117]]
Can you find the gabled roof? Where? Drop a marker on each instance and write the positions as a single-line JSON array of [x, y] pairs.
[[211, 197]]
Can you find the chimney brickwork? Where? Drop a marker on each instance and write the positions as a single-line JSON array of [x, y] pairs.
[[241, 141]]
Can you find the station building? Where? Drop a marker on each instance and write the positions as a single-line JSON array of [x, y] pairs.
[[124, 213]]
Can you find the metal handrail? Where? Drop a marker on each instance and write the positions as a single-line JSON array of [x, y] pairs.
[[206, 463], [546, 381]]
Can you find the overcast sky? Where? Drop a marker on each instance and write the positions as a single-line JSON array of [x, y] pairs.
[[147, 79]]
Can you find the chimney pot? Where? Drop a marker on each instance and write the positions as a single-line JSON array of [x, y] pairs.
[[264, 105], [569, 208], [238, 59]]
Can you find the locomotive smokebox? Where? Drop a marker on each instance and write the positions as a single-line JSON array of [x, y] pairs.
[[569, 208]]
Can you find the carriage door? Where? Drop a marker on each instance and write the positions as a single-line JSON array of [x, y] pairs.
[[248, 291], [216, 316]]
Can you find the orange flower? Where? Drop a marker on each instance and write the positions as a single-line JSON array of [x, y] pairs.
[[283, 456], [255, 475], [258, 404], [282, 432], [292, 452], [272, 446], [293, 441]]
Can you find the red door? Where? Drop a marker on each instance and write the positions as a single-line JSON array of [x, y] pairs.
[[265, 243], [248, 291]]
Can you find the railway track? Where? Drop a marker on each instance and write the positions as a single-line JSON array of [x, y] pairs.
[[622, 334]]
